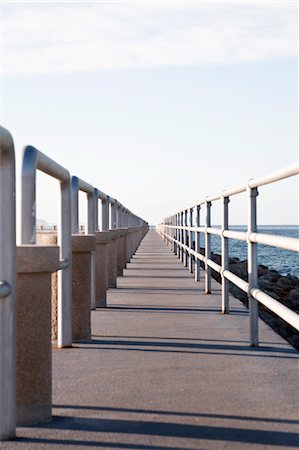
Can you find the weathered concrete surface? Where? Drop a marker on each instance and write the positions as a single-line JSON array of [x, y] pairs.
[[166, 370]]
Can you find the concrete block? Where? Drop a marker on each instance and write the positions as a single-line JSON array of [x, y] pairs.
[[35, 265], [50, 238], [102, 243], [112, 259], [121, 263], [82, 248]]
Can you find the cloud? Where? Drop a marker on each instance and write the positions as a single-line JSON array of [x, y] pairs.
[[76, 37]]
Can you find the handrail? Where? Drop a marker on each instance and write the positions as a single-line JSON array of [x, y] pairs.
[[252, 183], [80, 185], [34, 160], [7, 287], [177, 229]]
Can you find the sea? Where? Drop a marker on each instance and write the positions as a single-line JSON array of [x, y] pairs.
[[284, 261]]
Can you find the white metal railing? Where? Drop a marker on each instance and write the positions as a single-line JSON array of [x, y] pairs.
[[7, 287], [80, 185], [34, 160], [178, 230]]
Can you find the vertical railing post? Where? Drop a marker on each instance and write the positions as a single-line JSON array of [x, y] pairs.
[[197, 245], [186, 254], [182, 236], [64, 240], [207, 249], [91, 229], [252, 266], [175, 234], [113, 216], [190, 240], [105, 214], [178, 236], [75, 205], [8, 283], [224, 257]]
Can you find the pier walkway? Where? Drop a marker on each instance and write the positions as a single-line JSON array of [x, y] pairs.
[[166, 370]]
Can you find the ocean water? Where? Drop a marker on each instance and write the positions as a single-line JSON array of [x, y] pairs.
[[284, 261]]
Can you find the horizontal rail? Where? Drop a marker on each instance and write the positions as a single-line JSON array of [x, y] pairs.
[[213, 265], [273, 177], [282, 242], [289, 316], [237, 235], [33, 158], [237, 281], [252, 183]]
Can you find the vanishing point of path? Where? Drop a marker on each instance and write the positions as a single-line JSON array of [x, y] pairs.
[[166, 370]]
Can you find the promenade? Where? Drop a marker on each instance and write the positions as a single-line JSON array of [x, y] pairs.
[[166, 370]]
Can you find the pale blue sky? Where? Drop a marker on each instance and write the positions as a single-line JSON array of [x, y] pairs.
[[157, 107]]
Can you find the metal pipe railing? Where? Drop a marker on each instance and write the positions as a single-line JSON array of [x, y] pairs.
[[34, 160], [8, 295], [252, 237], [91, 192]]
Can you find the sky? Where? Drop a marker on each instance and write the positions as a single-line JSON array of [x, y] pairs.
[[157, 104]]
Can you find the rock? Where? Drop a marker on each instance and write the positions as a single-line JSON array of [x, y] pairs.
[[285, 283], [294, 295]]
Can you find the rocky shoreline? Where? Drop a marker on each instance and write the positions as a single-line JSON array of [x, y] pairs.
[[285, 289]]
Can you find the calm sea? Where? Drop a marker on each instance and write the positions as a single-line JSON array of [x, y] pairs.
[[284, 261]]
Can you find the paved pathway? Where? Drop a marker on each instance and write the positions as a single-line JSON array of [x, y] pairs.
[[165, 370]]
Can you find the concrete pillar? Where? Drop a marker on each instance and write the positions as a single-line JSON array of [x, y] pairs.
[[102, 245], [82, 248], [50, 238], [120, 251], [35, 265], [129, 244], [112, 259]]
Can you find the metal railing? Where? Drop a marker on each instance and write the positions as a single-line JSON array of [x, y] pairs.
[[80, 185], [7, 286], [34, 160], [113, 215], [178, 228]]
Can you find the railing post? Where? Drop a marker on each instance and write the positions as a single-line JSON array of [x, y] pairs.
[[190, 240], [208, 249], [113, 216], [64, 336], [75, 205], [182, 237], [33, 160], [91, 229], [197, 245], [8, 284], [105, 214], [178, 236], [175, 219], [186, 254], [252, 266], [224, 257]]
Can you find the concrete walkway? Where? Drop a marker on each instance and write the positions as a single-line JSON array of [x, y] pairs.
[[165, 370]]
